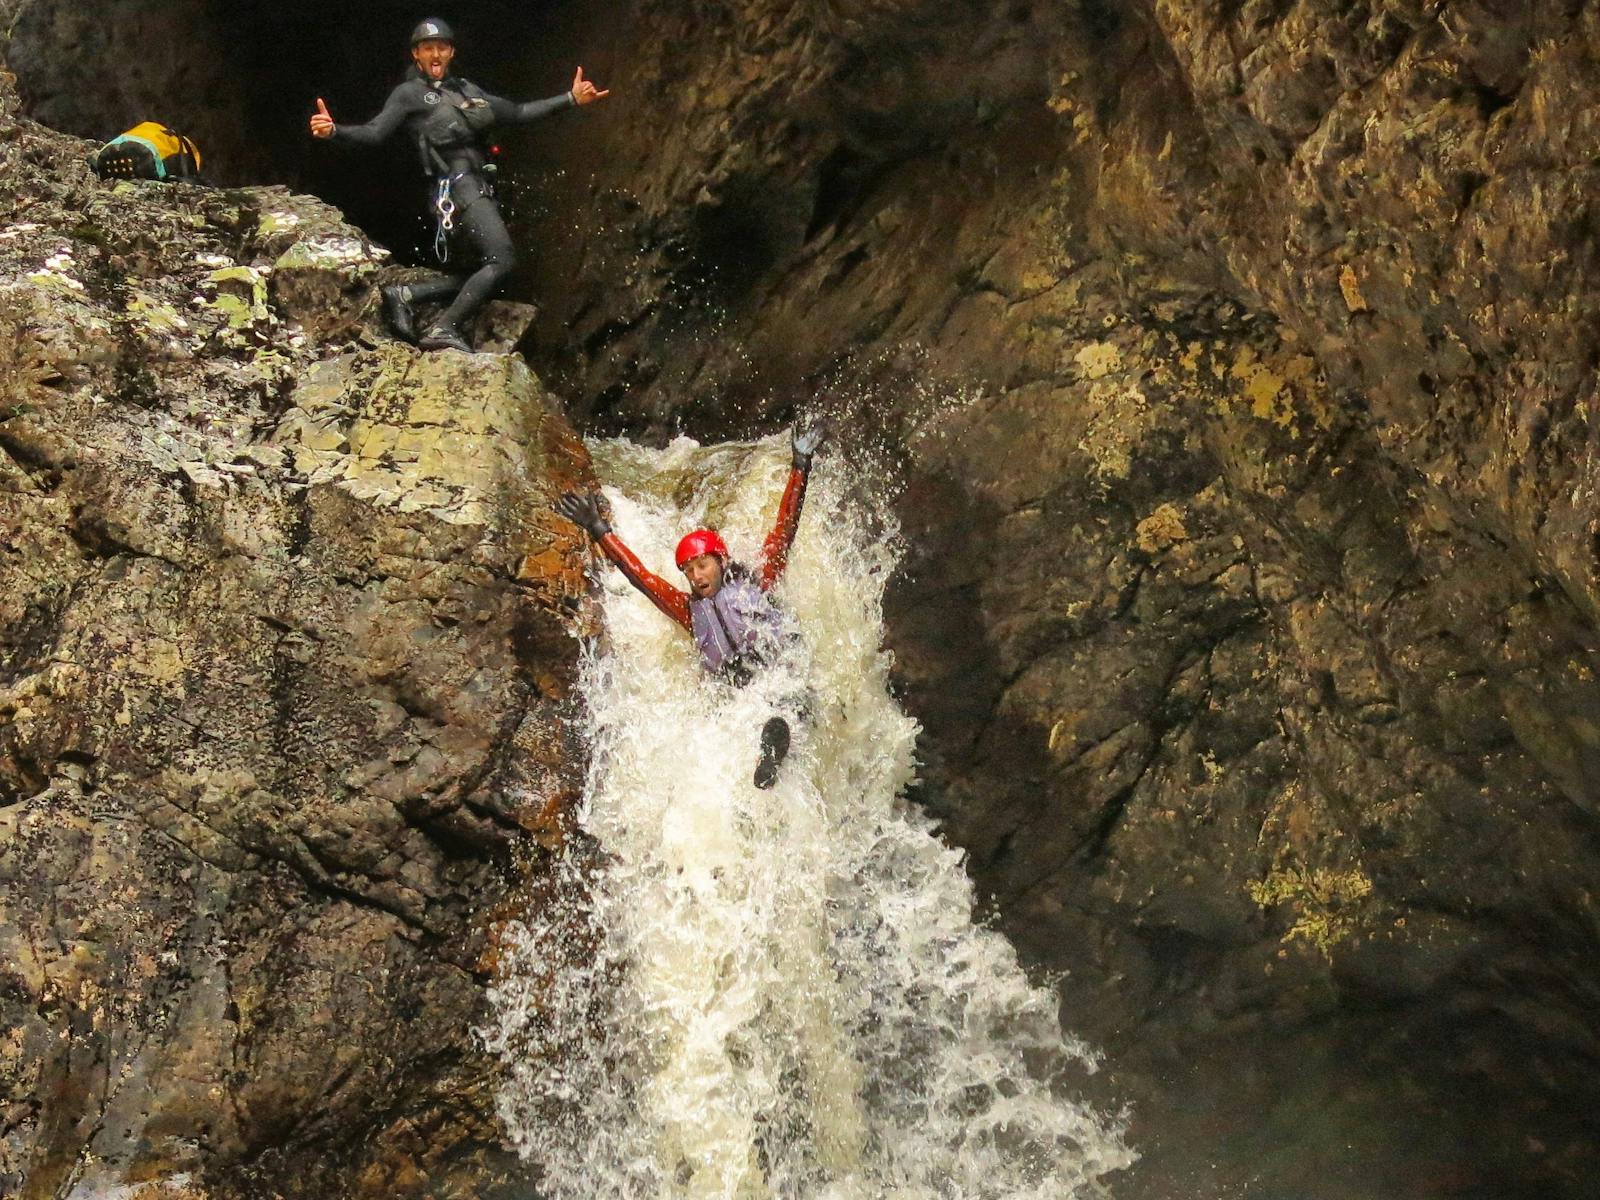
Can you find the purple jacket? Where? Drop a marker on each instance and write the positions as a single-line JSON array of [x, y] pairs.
[[736, 621]]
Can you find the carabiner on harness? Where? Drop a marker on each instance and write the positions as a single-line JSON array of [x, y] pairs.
[[445, 206]]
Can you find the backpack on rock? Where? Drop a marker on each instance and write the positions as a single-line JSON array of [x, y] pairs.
[[148, 151]]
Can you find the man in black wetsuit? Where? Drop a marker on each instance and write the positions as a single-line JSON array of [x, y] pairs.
[[448, 117]]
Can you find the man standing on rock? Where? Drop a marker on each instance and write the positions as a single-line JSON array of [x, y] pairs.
[[449, 118]]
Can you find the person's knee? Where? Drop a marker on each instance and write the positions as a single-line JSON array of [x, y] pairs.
[[503, 259]]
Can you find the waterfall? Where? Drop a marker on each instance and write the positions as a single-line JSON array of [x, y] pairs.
[[744, 993]]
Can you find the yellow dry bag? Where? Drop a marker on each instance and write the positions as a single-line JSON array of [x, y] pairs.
[[147, 151]]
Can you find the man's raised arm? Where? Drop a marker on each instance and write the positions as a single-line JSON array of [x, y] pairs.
[[373, 132], [584, 512], [580, 93], [805, 439]]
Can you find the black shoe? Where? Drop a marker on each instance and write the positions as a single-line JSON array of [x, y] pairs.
[[774, 749], [397, 313], [445, 337]]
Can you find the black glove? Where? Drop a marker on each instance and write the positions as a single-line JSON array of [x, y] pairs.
[[805, 439], [584, 512]]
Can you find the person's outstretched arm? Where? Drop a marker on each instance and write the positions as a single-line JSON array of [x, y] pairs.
[[775, 551], [374, 131], [581, 92], [584, 512]]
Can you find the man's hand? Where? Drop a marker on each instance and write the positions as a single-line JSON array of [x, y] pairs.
[[584, 92], [584, 512], [321, 121], [807, 436]]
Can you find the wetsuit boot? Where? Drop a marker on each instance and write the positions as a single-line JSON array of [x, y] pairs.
[[445, 337], [774, 749], [397, 314]]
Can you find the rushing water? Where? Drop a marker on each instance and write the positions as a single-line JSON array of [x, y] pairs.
[[783, 993]]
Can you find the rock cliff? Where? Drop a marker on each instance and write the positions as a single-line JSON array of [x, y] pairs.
[[1244, 364], [283, 657]]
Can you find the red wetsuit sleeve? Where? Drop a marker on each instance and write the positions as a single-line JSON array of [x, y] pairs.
[[666, 597], [775, 552]]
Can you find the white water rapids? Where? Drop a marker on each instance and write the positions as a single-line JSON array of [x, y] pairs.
[[782, 993]]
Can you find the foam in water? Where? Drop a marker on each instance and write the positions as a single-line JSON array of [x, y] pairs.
[[781, 993]]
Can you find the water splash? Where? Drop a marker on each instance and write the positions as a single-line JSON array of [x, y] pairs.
[[783, 993]]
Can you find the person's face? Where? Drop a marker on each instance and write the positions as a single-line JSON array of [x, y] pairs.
[[705, 575], [433, 57]]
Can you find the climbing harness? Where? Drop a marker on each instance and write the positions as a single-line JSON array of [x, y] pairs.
[[444, 204]]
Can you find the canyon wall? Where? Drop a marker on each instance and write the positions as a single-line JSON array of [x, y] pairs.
[[1241, 358], [1239, 363]]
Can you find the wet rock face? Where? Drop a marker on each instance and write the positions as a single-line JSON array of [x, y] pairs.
[[283, 659], [1252, 592]]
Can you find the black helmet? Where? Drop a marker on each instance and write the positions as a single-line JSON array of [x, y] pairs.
[[431, 30]]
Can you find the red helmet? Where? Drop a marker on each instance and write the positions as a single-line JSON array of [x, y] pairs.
[[701, 541]]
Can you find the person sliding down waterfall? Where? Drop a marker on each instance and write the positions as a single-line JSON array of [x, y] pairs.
[[448, 118], [726, 610]]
